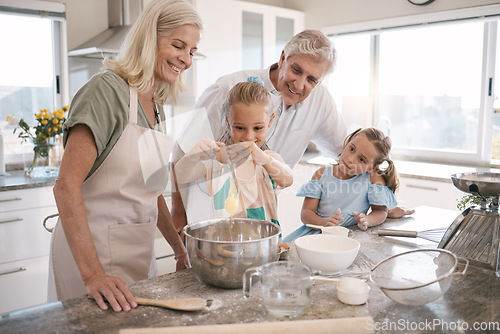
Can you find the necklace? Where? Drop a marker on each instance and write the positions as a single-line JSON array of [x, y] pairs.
[[157, 115], [157, 119]]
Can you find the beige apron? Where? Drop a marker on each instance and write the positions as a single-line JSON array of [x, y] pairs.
[[121, 205]]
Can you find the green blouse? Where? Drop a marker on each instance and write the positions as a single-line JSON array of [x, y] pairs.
[[102, 104]]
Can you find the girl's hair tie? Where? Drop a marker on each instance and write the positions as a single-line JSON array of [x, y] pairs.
[[384, 165], [256, 79]]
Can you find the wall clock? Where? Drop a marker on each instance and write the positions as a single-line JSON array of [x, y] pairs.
[[420, 2]]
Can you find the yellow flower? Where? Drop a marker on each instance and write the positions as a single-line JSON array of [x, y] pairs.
[[58, 113], [48, 124], [12, 120]]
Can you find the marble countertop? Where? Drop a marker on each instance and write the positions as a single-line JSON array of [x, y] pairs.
[[472, 298], [15, 180]]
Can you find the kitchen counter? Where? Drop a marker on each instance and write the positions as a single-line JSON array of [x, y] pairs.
[[16, 180], [471, 301]]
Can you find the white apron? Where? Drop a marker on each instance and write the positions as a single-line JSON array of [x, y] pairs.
[[120, 200]]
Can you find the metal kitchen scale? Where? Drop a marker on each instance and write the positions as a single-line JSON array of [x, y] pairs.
[[475, 233]]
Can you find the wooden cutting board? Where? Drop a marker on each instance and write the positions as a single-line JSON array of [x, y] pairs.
[[320, 326]]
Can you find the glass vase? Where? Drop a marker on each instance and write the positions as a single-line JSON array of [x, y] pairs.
[[44, 158]]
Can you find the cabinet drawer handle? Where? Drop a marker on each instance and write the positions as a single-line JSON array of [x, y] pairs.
[[11, 220], [422, 187], [12, 271], [10, 199]]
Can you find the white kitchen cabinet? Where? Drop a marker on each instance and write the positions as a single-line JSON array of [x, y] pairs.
[[24, 247], [23, 283], [163, 252], [415, 192], [164, 257], [240, 35]]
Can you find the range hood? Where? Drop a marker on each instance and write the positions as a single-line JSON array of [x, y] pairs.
[[105, 44], [121, 15]]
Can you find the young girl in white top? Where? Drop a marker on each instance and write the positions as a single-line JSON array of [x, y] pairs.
[[364, 177], [247, 116]]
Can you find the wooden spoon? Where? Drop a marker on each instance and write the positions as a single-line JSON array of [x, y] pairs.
[[184, 304]]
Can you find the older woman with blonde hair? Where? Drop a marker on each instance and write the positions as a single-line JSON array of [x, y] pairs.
[[114, 168]]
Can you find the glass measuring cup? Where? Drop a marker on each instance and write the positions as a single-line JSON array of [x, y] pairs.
[[286, 287]]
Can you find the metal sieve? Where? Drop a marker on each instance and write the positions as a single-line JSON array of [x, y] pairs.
[[418, 276]]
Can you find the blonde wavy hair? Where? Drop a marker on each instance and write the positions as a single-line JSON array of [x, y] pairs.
[[136, 60]]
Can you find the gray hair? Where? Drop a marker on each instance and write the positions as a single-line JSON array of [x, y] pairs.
[[313, 43], [136, 60]]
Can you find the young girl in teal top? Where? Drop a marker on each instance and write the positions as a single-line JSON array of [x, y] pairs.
[[364, 177], [259, 172]]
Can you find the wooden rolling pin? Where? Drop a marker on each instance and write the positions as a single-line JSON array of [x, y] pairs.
[[320, 326]]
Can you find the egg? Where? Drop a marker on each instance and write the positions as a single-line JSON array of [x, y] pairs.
[[231, 205]]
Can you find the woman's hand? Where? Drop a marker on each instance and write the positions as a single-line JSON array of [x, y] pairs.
[[102, 286]]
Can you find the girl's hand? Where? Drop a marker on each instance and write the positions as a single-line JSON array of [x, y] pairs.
[[240, 152], [259, 157], [205, 149], [334, 220], [361, 219], [399, 212]]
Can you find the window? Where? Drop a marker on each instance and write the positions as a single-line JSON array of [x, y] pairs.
[[429, 86], [495, 143], [31, 67], [350, 84]]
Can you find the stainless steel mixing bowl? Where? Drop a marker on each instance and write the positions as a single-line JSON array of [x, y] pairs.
[[220, 250]]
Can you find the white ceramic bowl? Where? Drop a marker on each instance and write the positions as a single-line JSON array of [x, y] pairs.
[[352, 291], [327, 253]]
